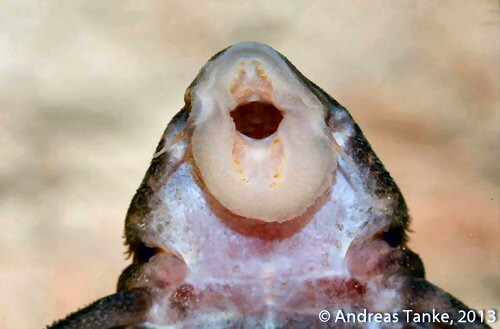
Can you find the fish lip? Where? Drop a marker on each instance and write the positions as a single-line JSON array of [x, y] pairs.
[[248, 45], [245, 45], [251, 72], [263, 141]]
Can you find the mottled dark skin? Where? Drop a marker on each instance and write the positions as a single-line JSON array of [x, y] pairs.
[[396, 266]]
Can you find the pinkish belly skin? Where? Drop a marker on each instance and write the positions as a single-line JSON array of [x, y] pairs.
[[234, 274]]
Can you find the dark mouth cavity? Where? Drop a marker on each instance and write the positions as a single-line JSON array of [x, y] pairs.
[[256, 120]]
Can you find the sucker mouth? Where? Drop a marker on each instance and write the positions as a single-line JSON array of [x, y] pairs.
[[259, 138], [256, 120]]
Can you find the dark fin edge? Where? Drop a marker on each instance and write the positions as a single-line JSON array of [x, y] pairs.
[[124, 308]]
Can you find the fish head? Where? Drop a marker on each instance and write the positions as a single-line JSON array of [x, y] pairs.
[[265, 207], [259, 202]]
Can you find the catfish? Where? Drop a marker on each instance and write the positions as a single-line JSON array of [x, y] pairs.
[[265, 207]]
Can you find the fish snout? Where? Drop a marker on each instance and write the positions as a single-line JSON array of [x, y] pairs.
[[260, 140]]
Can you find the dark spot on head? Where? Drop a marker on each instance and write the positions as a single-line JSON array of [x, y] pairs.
[[183, 299], [143, 253], [394, 236]]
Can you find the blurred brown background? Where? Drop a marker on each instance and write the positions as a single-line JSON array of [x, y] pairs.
[[87, 87]]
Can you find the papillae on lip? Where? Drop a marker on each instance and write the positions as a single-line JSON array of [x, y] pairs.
[[260, 136]]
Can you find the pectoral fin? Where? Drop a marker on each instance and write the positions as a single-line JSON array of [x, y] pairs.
[[125, 308], [422, 296]]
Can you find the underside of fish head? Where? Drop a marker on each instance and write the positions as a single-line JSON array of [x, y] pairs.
[[264, 205], [260, 139], [264, 202], [260, 201]]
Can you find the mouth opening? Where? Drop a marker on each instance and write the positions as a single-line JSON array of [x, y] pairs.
[[256, 120]]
